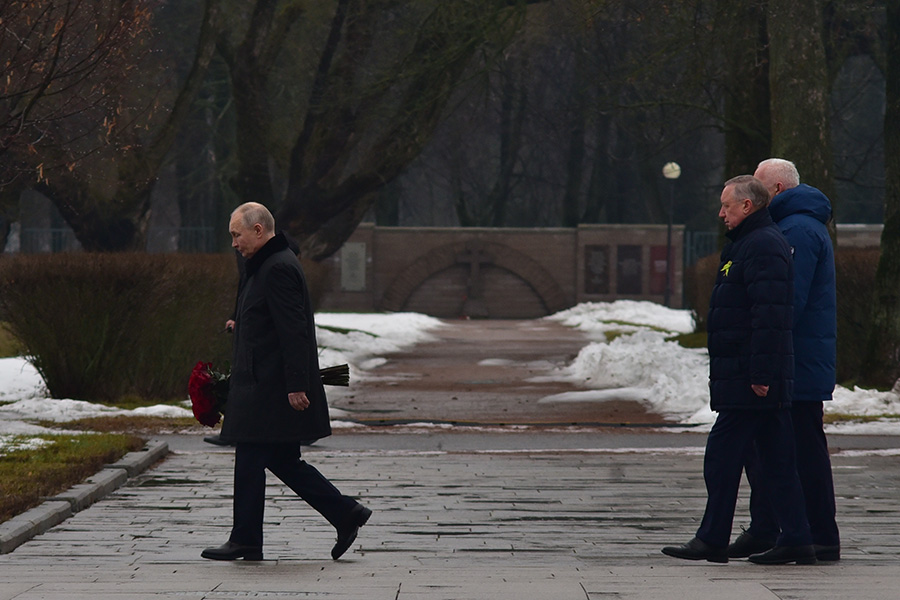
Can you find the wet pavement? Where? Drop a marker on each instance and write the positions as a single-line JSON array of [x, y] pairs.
[[549, 512], [483, 371]]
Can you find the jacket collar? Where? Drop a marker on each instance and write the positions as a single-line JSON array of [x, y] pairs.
[[752, 222], [276, 244]]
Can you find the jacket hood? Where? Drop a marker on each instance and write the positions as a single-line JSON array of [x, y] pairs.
[[801, 200]]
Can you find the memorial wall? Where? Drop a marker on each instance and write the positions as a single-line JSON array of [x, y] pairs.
[[502, 273]]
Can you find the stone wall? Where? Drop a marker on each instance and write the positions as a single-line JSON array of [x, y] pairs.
[[500, 273]]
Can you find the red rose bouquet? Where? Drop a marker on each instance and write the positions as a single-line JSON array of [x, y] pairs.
[[208, 390]]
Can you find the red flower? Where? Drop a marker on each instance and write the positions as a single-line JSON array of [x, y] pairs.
[[208, 390]]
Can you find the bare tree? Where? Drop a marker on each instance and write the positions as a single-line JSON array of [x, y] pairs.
[[799, 82], [882, 364], [79, 124]]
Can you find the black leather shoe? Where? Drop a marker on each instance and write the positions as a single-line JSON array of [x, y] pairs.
[[231, 551], [747, 544], [347, 534], [697, 549], [827, 553], [216, 440], [782, 555]]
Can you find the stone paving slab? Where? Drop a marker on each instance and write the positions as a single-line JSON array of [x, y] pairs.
[[524, 522], [25, 526]]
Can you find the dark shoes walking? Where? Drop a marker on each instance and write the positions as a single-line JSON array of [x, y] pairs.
[[827, 553], [697, 549], [758, 550], [348, 532], [782, 555], [746, 545], [346, 535], [232, 551]]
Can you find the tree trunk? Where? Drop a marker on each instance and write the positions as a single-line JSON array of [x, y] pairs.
[[327, 195], [119, 223], [798, 79], [748, 133], [577, 131], [882, 365]]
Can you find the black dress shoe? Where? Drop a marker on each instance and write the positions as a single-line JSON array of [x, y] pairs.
[[347, 534], [231, 551], [216, 440], [697, 549], [782, 555], [747, 544], [827, 553]]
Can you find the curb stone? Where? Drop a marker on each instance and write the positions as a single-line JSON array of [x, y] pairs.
[[21, 528]]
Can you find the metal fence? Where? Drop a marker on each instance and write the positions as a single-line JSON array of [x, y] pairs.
[[50, 239], [182, 239], [698, 244], [35, 240]]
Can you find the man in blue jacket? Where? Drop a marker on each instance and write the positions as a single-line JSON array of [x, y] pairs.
[[751, 376], [802, 212]]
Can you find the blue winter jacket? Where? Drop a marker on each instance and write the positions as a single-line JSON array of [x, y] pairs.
[[750, 316], [801, 213]]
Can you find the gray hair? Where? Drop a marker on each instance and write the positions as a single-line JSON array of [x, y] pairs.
[[252, 213], [748, 186], [781, 170]]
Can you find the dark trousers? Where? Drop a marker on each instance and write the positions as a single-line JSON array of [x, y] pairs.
[[731, 437], [283, 460], [814, 469]]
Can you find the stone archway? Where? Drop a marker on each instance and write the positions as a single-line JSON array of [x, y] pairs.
[[474, 255]]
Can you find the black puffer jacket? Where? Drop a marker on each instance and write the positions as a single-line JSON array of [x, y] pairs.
[[750, 318]]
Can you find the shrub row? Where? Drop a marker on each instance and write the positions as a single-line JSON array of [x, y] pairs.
[[113, 326], [855, 274]]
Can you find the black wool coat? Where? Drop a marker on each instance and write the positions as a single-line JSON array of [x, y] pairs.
[[275, 352], [750, 318]]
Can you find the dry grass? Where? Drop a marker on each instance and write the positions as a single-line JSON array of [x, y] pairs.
[[27, 477]]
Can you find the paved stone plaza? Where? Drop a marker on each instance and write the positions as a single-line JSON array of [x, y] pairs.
[[520, 515], [550, 510]]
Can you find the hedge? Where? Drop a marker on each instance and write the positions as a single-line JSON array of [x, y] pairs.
[[113, 326]]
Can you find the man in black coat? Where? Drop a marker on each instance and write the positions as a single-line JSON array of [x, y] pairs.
[[751, 378], [276, 397]]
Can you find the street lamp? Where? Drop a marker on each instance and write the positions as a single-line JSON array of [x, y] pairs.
[[671, 171]]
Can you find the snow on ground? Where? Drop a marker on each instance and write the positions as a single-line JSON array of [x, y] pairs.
[[360, 340], [598, 318], [642, 365], [637, 363]]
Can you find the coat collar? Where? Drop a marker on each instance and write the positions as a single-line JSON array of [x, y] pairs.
[[760, 218], [276, 244]]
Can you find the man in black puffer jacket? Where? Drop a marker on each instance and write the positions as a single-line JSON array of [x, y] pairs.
[[751, 378]]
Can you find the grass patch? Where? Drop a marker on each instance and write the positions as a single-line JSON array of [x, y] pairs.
[[9, 345], [830, 418], [27, 477], [690, 340], [143, 425]]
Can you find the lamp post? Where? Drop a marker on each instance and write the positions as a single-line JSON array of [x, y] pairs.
[[671, 171]]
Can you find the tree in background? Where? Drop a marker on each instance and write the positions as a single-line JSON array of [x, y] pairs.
[[62, 66], [882, 364], [86, 125], [799, 90]]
